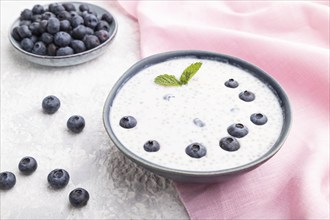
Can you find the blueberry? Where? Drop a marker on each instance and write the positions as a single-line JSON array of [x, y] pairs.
[[7, 180], [50, 104], [237, 130], [36, 18], [107, 17], [39, 48], [38, 10], [83, 7], [76, 21], [196, 150], [64, 51], [26, 14], [247, 96], [69, 7], [76, 123], [78, 46], [47, 38], [128, 122], [15, 34], [78, 197], [27, 165], [57, 9], [74, 14], [91, 21], [258, 118], [27, 44], [229, 144], [43, 26], [35, 28], [151, 146], [231, 83], [84, 14], [62, 39], [51, 7], [53, 26], [65, 25], [47, 15], [89, 31], [24, 31], [64, 15], [34, 39], [103, 25], [25, 22], [51, 50], [79, 32], [91, 41], [58, 178], [102, 35]]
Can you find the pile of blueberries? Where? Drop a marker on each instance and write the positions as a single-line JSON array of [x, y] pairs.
[[61, 29], [57, 178]]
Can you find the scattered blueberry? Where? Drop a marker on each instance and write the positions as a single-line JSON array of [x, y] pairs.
[[91, 41], [107, 17], [26, 14], [58, 178], [258, 118], [24, 31], [50, 104], [229, 144], [51, 50], [78, 46], [237, 130], [231, 83], [102, 35], [83, 7], [196, 150], [65, 25], [27, 165], [53, 25], [27, 44], [39, 48], [64, 51], [62, 39], [47, 38], [128, 122], [247, 96], [38, 10], [91, 21], [76, 123], [69, 7], [79, 32], [78, 197], [103, 25], [151, 146], [7, 180]]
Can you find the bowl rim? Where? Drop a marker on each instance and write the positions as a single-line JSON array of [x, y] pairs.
[[161, 57], [15, 44]]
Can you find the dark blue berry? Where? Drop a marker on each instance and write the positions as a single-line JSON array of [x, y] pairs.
[[64, 51], [237, 130], [78, 46], [78, 197], [229, 144], [62, 39], [25, 22], [74, 14], [69, 7], [7, 180], [231, 83], [27, 165], [51, 50], [76, 21], [83, 7], [51, 7], [151, 146], [247, 96], [91, 21], [36, 18], [47, 38], [38, 10], [65, 25], [47, 15], [24, 31], [89, 31], [35, 28], [196, 150], [53, 26], [103, 25], [64, 15], [43, 26], [26, 14], [34, 39], [91, 41], [39, 48], [15, 34], [58, 178], [128, 122], [57, 9], [107, 17], [76, 123], [258, 118], [79, 32], [102, 35], [50, 104], [27, 44]]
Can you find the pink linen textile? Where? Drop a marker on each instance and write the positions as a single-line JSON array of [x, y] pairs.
[[290, 41]]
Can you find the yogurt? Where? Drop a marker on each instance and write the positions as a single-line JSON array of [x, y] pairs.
[[199, 112]]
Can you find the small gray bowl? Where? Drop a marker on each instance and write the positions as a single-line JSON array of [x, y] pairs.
[[198, 176], [70, 60]]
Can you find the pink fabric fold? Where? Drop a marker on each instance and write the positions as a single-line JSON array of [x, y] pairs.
[[290, 41]]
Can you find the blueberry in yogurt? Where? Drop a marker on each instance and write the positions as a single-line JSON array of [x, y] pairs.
[[27, 165], [7, 180], [196, 150], [231, 83], [58, 178], [229, 144], [128, 122], [237, 130], [151, 146], [247, 96], [258, 118]]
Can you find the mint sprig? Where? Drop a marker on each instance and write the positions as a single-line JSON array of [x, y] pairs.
[[171, 80]]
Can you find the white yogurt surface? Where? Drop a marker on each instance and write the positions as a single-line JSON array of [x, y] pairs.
[[171, 122]]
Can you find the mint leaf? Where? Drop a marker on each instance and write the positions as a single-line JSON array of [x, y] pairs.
[[189, 72], [167, 80]]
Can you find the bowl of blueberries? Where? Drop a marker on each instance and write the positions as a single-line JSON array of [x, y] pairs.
[[63, 34]]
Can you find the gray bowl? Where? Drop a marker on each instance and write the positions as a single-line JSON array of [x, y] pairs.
[[74, 59], [197, 176]]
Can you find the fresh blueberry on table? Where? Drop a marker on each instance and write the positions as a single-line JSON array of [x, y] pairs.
[[258, 118], [27, 44], [76, 123], [127, 122], [7, 180], [64, 51], [53, 25], [62, 39], [229, 144], [237, 130], [58, 178], [151, 146], [38, 10], [196, 150], [102, 35], [231, 83], [50, 104], [91, 41], [78, 197], [27, 165], [247, 96], [39, 48], [78, 46]]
